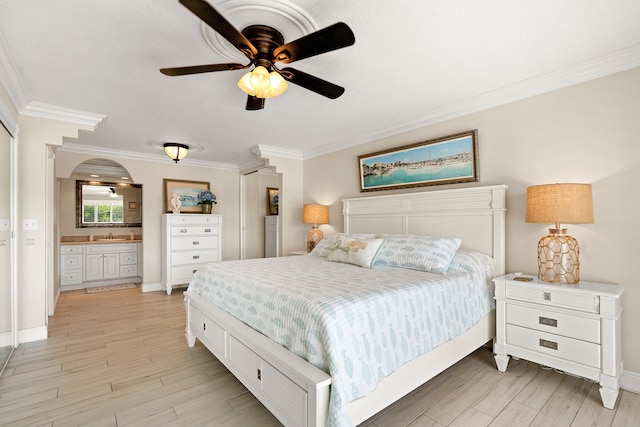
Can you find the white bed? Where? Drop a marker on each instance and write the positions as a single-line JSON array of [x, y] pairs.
[[297, 392]]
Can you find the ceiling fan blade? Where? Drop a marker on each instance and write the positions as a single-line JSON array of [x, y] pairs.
[[331, 38], [196, 69], [312, 83], [212, 18], [254, 103]]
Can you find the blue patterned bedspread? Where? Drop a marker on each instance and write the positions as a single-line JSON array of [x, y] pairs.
[[354, 323]]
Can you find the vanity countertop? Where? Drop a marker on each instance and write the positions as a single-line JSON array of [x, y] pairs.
[[102, 242]]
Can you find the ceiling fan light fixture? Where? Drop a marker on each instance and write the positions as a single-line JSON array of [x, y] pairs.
[[262, 84], [175, 151]]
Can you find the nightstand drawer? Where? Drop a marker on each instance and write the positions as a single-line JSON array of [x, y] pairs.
[[577, 351], [555, 297], [553, 322]]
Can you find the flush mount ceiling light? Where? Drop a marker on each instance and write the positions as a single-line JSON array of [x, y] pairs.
[[176, 151]]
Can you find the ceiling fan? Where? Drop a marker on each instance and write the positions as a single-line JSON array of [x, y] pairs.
[[264, 46]]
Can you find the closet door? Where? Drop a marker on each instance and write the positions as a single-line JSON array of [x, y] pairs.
[[6, 334]]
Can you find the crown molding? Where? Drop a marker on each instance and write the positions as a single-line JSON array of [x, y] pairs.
[[54, 112], [157, 158], [12, 84], [270, 151], [615, 62]]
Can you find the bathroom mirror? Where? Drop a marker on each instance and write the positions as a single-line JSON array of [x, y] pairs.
[[108, 204]]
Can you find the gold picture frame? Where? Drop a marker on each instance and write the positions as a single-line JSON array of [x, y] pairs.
[[273, 196], [187, 191]]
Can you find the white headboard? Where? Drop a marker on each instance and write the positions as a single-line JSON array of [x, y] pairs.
[[474, 214]]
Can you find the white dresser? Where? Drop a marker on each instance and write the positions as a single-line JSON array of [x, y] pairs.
[[188, 242], [573, 328]]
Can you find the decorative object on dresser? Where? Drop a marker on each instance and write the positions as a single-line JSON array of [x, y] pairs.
[[448, 160], [206, 200], [558, 253], [175, 203], [176, 151], [187, 191], [188, 242], [314, 214], [576, 329]]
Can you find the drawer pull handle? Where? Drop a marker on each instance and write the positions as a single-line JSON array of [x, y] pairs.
[[196, 257], [548, 344], [548, 322], [259, 375], [207, 230], [547, 296], [183, 230], [195, 242]]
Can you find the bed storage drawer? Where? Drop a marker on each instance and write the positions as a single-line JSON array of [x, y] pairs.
[[269, 385], [208, 332]]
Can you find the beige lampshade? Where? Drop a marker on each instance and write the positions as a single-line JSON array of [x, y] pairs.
[[315, 214], [560, 204]]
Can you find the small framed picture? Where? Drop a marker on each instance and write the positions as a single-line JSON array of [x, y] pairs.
[[133, 206], [187, 191], [273, 196]]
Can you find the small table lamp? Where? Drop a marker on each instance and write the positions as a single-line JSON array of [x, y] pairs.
[[315, 214], [558, 253]]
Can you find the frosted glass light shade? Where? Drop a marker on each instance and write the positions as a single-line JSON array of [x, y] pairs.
[[262, 84], [176, 151]]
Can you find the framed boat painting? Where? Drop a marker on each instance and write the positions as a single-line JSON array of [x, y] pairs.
[[448, 160]]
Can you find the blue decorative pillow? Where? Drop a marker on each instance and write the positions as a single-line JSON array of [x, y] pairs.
[[324, 246], [424, 253]]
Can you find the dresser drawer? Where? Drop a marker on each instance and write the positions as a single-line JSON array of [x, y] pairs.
[[572, 326], [194, 243], [183, 274], [554, 297], [192, 219], [577, 351], [194, 257], [192, 230]]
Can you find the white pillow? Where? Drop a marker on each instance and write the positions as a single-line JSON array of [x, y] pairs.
[[323, 247], [424, 253], [354, 251]]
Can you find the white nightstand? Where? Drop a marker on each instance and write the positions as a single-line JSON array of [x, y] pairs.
[[574, 328]]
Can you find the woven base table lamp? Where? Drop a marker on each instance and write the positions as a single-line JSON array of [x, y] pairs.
[[558, 253], [315, 214]]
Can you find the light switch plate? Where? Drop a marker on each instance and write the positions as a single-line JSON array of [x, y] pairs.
[[29, 224]]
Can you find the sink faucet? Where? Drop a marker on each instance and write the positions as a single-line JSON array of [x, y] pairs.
[[110, 235]]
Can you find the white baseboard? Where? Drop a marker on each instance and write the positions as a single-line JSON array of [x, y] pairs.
[[630, 381], [152, 287], [32, 334]]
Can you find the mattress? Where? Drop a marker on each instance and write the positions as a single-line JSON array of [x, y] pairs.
[[356, 324]]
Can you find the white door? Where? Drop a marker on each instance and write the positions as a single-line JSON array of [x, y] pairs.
[[111, 266], [93, 267]]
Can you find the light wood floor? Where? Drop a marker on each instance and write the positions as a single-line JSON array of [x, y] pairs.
[[120, 359]]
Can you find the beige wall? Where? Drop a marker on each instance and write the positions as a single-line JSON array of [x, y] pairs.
[[585, 133], [224, 184]]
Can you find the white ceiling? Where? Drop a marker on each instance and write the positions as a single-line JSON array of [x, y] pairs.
[[415, 62]]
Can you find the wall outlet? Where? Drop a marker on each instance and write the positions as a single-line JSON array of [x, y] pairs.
[[29, 224]]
